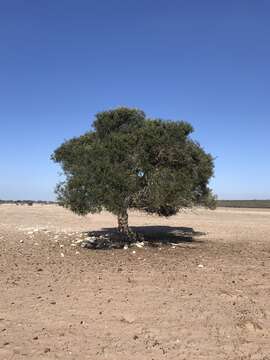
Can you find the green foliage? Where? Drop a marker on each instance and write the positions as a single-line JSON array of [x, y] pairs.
[[129, 161]]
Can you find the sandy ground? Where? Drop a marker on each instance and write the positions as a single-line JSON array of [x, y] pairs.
[[206, 299]]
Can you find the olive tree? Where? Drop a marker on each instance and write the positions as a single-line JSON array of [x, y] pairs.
[[127, 161]]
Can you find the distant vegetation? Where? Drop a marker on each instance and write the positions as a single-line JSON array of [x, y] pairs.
[[265, 204], [244, 203], [26, 202]]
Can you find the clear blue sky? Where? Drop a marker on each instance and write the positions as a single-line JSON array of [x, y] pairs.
[[207, 62]]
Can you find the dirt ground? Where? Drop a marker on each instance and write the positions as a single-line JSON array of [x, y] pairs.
[[205, 299]]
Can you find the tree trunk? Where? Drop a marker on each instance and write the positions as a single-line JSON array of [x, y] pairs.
[[123, 222]]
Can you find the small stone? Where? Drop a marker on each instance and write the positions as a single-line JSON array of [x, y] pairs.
[[79, 241], [77, 253], [139, 244], [126, 247], [128, 318], [61, 246], [35, 338], [200, 266], [62, 255], [133, 252], [46, 350], [21, 241]]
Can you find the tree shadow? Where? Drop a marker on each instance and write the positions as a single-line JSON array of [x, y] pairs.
[[153, 235], [168, 234]]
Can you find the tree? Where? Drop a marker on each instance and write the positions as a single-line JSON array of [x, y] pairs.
[[129, 161]]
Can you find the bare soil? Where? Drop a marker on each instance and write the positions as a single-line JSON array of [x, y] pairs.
[[201, 299]]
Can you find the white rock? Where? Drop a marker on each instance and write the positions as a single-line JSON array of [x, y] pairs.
[[126, 247], [77, 252], [90, 239], [133, 252], [21, 241], [139, 244], [73, 245], [61, 246], [79, 241], [62, 255], [200, 266]]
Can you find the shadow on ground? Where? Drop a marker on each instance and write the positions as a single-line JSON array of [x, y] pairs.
[[168, 234], [152, 235]]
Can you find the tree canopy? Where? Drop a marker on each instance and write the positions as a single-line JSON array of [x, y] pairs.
[[130, 161]]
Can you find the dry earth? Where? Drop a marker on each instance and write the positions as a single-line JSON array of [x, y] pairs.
[[59, 301]]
